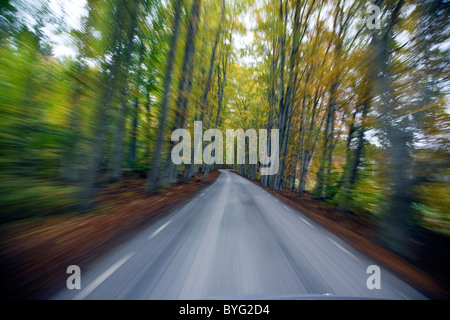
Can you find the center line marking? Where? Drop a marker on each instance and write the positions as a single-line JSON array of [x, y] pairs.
[[94, 284], [159, 230], [343, 249], [309, 224]]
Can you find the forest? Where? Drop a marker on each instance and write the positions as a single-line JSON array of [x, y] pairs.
[[362, 109]]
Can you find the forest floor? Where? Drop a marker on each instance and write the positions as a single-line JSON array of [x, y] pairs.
[[36, 252], [428, 269]]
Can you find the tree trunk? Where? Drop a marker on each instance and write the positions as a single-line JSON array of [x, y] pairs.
[[110, 79], [221, 81], [119, 142], [327, 141], [185, 83], [71, 156], [398, 222], [211, 68], [354, 158], [152, 178], [135, 115], [272, 103], [148, 125], [281, 104]]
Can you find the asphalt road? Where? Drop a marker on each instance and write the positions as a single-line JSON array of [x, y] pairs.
[[234, 240]]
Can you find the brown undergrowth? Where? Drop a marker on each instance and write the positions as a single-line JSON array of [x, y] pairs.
[[36, 252]]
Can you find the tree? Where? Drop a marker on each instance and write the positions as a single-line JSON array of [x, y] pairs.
[[152, 179]]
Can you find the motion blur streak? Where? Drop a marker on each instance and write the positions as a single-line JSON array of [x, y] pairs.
[[359, 106], [233, 242]]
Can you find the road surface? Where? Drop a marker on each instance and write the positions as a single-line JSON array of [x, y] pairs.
[[234, 240]]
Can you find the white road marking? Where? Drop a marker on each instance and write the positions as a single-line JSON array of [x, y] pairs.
[[99, 280], [343, 249], [400, 293], [309, 224], [287, 208], [202, 194], [159, 230]]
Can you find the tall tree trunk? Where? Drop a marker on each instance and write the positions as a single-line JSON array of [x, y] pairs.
[[152, 178], [354, 157], [185, 83], [281, 101], [119, 139], [323, 174], [221, 81], [211, 68], [287, 107], [148, 125], [110, 79], [398, 222], [327, 143], [71, 156], [272, 101], [135, 115]]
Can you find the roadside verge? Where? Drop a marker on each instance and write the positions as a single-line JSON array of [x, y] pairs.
[[36, 252], [359, 234]]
